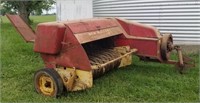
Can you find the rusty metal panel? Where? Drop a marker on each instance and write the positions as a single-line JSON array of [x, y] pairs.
[[49, 37], [134, 30], [96, 35], [72, 53], [91, 25], [26, 32]]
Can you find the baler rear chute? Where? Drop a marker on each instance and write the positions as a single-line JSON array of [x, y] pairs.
[[75, 52]]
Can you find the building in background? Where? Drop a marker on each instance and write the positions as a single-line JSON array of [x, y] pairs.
[[179, 17], [74, 9]]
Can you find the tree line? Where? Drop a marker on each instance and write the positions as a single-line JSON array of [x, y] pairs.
[[25, 8]]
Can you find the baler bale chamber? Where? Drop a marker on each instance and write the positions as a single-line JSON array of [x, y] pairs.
[[76, 52]]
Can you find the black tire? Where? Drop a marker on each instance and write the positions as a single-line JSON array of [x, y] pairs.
[[54, 78]]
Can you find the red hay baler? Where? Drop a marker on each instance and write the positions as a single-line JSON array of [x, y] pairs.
[[76, 52]]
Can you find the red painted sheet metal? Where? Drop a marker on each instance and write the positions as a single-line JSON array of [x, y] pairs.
[[146, 48], [49, 37], [26, 31], [72, 53], [149, 47], [97, 35], [49, 60], [91, 25], [139, 30]]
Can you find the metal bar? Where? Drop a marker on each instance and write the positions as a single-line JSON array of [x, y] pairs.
[[141, 38], [118, 58], [180, 56]]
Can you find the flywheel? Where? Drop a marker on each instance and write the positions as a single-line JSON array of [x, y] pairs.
[[166, 46]]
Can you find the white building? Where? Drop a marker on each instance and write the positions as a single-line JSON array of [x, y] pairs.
[[74, 9], [179, 17]]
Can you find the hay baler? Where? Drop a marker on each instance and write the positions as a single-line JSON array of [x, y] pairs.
[[76, 52]]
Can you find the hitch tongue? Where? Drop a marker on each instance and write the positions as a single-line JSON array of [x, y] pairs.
[[180, 55], [184, 62]]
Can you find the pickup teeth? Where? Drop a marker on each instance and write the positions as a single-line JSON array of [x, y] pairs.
[[101, 57]]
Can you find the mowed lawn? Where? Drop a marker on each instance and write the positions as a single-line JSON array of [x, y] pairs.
[[139, 82]]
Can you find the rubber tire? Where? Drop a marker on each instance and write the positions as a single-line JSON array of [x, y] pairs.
[[54, 76], [163, 47]]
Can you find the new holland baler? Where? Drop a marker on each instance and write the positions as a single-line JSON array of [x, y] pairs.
[[76, 52]]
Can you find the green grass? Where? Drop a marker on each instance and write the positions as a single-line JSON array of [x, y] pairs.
[[139, 82]]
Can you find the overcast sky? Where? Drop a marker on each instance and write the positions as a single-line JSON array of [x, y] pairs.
[[53, 10]]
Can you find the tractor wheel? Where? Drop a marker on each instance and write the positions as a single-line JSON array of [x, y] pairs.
[[166, 45], [48, 82]]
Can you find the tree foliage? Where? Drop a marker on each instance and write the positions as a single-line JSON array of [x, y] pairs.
[[25, 8]]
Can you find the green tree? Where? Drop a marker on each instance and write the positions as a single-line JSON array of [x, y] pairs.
[[24, 8], [38, 12]]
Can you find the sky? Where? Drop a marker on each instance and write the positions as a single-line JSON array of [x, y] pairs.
[[53, 10]]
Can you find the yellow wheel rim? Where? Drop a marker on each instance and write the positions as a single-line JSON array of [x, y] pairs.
[[46, 85]]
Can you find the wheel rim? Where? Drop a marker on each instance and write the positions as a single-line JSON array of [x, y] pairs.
[[48, 82], [46, 85]]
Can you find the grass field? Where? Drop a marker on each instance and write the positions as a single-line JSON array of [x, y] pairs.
[[139, 82]]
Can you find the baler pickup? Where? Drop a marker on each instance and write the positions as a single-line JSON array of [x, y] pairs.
[[104, 63]]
